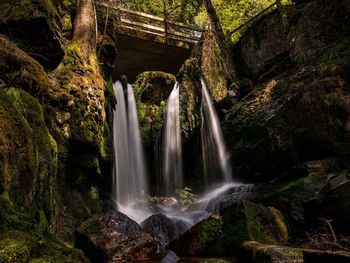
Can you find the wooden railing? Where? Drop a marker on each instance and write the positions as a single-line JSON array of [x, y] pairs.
[[154, 25]]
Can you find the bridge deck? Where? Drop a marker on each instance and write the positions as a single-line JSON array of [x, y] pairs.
[[146, 42]]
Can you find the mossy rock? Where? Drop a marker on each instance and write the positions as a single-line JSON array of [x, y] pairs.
[[223, 233], [20, 70], [152, 89], [254, 252], [28, 151], [26, 9], [190, 90], [293, 195], [213, 71], [13, 248]]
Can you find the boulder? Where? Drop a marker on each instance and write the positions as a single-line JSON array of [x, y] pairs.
[[303, 183], [316, 256], [223, 232], [333, 204], [41, 20], [114, 237], [254, 252], [163, 228]]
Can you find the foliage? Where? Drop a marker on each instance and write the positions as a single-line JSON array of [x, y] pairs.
[[234, 13], [176, 10], [187, 197]]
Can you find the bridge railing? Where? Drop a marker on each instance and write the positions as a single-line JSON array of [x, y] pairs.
[[152, 24]]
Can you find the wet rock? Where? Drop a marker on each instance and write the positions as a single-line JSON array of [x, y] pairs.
[[170, 257], [114, 237], [254, 252], [316, 256], [163, 228], [223, 232]]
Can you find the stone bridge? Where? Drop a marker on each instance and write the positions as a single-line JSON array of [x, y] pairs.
[[146, 42]]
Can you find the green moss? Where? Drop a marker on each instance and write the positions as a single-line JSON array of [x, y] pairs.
[[13, 248], [27, 9], [66, 23], [265, 225], [210, 229]]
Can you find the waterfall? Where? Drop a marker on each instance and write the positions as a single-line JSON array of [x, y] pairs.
[[172, 169], [129, 189], [216, 161]]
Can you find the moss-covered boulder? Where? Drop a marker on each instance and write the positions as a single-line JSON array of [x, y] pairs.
[[152, 89], [316, 256], [28, 152], [331, 202], [223, 233], [254, 252], [114, 237], [20, 70], [42, 20], [313, 178]]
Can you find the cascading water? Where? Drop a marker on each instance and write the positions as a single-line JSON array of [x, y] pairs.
[[172, 170], [216, 162], [129, 189], [129, 186]]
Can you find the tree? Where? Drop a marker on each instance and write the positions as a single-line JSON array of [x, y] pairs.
[[79, 74], [223, 42]]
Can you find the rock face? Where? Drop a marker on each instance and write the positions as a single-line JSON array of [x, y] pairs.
[[208, 54], [265, 141], [303, 113], [223, 232], [113, 237], [262, 46]]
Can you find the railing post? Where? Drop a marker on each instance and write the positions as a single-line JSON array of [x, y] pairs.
[[165, 14]]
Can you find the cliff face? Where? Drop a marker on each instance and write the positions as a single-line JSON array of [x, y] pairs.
[[296, 108]]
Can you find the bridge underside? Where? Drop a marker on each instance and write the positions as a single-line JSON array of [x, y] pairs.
[[136, 55]]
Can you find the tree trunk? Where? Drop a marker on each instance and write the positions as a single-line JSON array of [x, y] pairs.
[[85, 26], [222, 41]]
